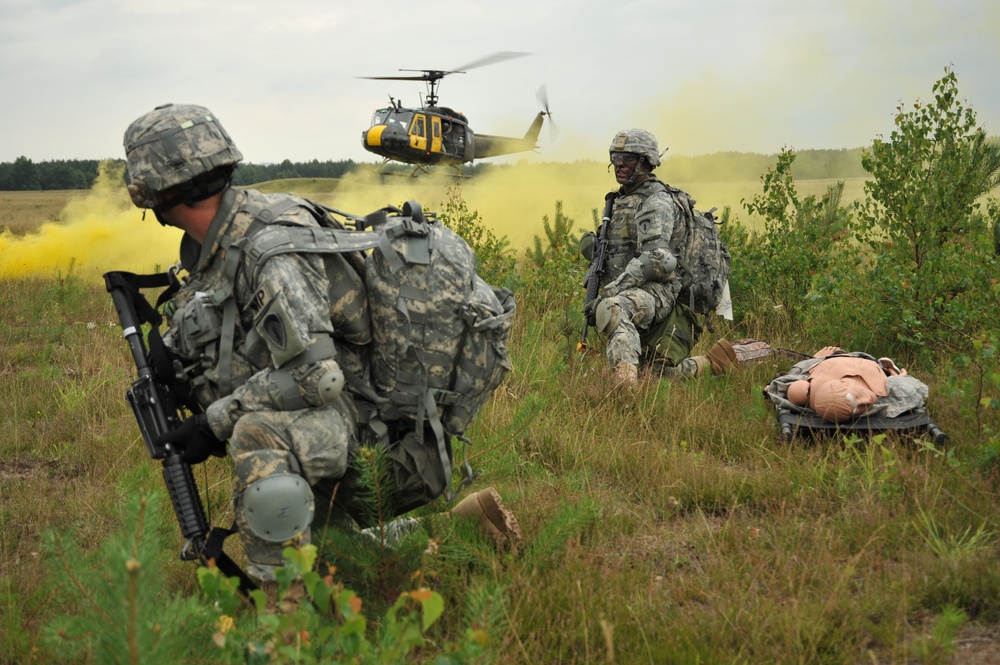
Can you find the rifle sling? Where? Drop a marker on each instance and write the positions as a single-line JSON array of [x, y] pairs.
[[213, 550]]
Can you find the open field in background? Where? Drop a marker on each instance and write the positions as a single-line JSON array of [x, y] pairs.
[[668, 525], [21, 212], [511, 206]]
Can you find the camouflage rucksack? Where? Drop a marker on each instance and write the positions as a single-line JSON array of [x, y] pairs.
[[439, 333], [704, 260]]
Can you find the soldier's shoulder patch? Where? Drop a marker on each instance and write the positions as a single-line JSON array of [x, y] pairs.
[[644, 226], [259, 302]]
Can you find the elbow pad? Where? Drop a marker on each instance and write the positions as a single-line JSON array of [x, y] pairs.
[[313, 378], [657, 263]]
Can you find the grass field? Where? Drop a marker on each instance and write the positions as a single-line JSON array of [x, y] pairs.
[[21, 212], [666, 525]]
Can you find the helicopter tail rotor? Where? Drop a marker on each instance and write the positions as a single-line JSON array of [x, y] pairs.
[[543, 101]]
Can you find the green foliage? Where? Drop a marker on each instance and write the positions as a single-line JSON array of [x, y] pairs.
[[25, 175], [114, 609], [927, 256], [495, 261], [553, 273], [773, 269], [327, 624], [939, 645], [381, 559]]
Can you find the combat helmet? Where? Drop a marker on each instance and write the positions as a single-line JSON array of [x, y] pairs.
[[638, 142], [173, 145]]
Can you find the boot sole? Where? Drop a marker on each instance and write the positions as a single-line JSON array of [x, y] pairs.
[[500, 517]]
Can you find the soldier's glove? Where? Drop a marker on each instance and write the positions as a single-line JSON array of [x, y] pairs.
[[612, 289], [629, 279], [195, 439]]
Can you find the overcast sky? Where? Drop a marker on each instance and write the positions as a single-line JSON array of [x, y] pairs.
[[284, 77]]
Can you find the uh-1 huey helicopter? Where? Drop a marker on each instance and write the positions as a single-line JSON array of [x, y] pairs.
[[433, 135]]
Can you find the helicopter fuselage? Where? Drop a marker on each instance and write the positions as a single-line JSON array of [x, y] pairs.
[[431, 135]]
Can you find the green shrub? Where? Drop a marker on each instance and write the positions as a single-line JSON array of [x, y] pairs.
[[495, 260], [773, 270]]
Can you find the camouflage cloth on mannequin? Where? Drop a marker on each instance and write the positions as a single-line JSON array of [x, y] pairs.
[[273, 429]]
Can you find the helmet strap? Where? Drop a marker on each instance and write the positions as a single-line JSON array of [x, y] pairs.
[[635, 173], [196, 190]]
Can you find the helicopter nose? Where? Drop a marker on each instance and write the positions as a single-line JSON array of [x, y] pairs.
[[386, 137]]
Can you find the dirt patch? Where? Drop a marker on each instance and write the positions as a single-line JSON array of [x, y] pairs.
[[24, 469], [977, 644]]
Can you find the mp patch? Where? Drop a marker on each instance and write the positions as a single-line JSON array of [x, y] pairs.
[[261, 299]]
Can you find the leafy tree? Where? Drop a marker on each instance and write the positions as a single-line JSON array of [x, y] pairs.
[[773, 270], [927, 251], [24, 175], [61, 175]]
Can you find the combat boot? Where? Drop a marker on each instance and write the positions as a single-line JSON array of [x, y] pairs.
[[289, 601], [626, 374], [722, 357], [495, 520]]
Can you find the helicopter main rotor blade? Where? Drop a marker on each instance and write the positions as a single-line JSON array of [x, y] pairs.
[[489, 60], [395, 78]]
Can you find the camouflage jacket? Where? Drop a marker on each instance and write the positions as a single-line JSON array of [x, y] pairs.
[[646, 223], [282, 338]]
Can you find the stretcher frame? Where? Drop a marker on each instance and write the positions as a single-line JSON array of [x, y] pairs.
[[807, 424]]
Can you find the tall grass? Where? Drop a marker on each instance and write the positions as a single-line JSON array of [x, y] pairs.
[[665, 525]]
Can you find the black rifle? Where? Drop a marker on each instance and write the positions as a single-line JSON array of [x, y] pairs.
[[159, 403], [593, 280]]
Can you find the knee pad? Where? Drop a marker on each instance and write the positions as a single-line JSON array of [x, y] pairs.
[[608, 315], [278, 507]]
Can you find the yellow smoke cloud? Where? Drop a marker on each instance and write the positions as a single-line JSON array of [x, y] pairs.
[[511, 201], [101, 232], [104, 231]]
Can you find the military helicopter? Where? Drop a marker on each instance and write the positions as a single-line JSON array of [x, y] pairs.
[[433, 134]]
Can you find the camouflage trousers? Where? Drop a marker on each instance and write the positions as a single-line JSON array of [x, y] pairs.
[[627, 314], [312, 443]]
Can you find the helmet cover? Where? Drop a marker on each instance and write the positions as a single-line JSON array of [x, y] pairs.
[[172, 145], [638, 142]]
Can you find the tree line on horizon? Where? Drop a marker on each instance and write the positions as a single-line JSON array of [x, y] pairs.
[[23, 174]]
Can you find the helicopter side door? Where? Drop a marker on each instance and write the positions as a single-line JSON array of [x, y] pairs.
[[435, 134], [418, 132]]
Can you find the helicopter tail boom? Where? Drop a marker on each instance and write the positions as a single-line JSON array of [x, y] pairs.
[[494, 146]]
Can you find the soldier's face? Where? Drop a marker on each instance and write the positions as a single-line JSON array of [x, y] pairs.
[[625, 164]]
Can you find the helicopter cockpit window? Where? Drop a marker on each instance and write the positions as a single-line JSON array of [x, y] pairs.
[[393, 118]]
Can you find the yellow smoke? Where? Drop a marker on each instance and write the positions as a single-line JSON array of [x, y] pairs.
[[512, 201], [101, 232], [104, 231]]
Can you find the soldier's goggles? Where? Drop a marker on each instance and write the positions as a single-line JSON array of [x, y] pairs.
[[624, 159]]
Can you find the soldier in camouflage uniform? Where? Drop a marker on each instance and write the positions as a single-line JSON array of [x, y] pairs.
[[261, 346], [637, 308]]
